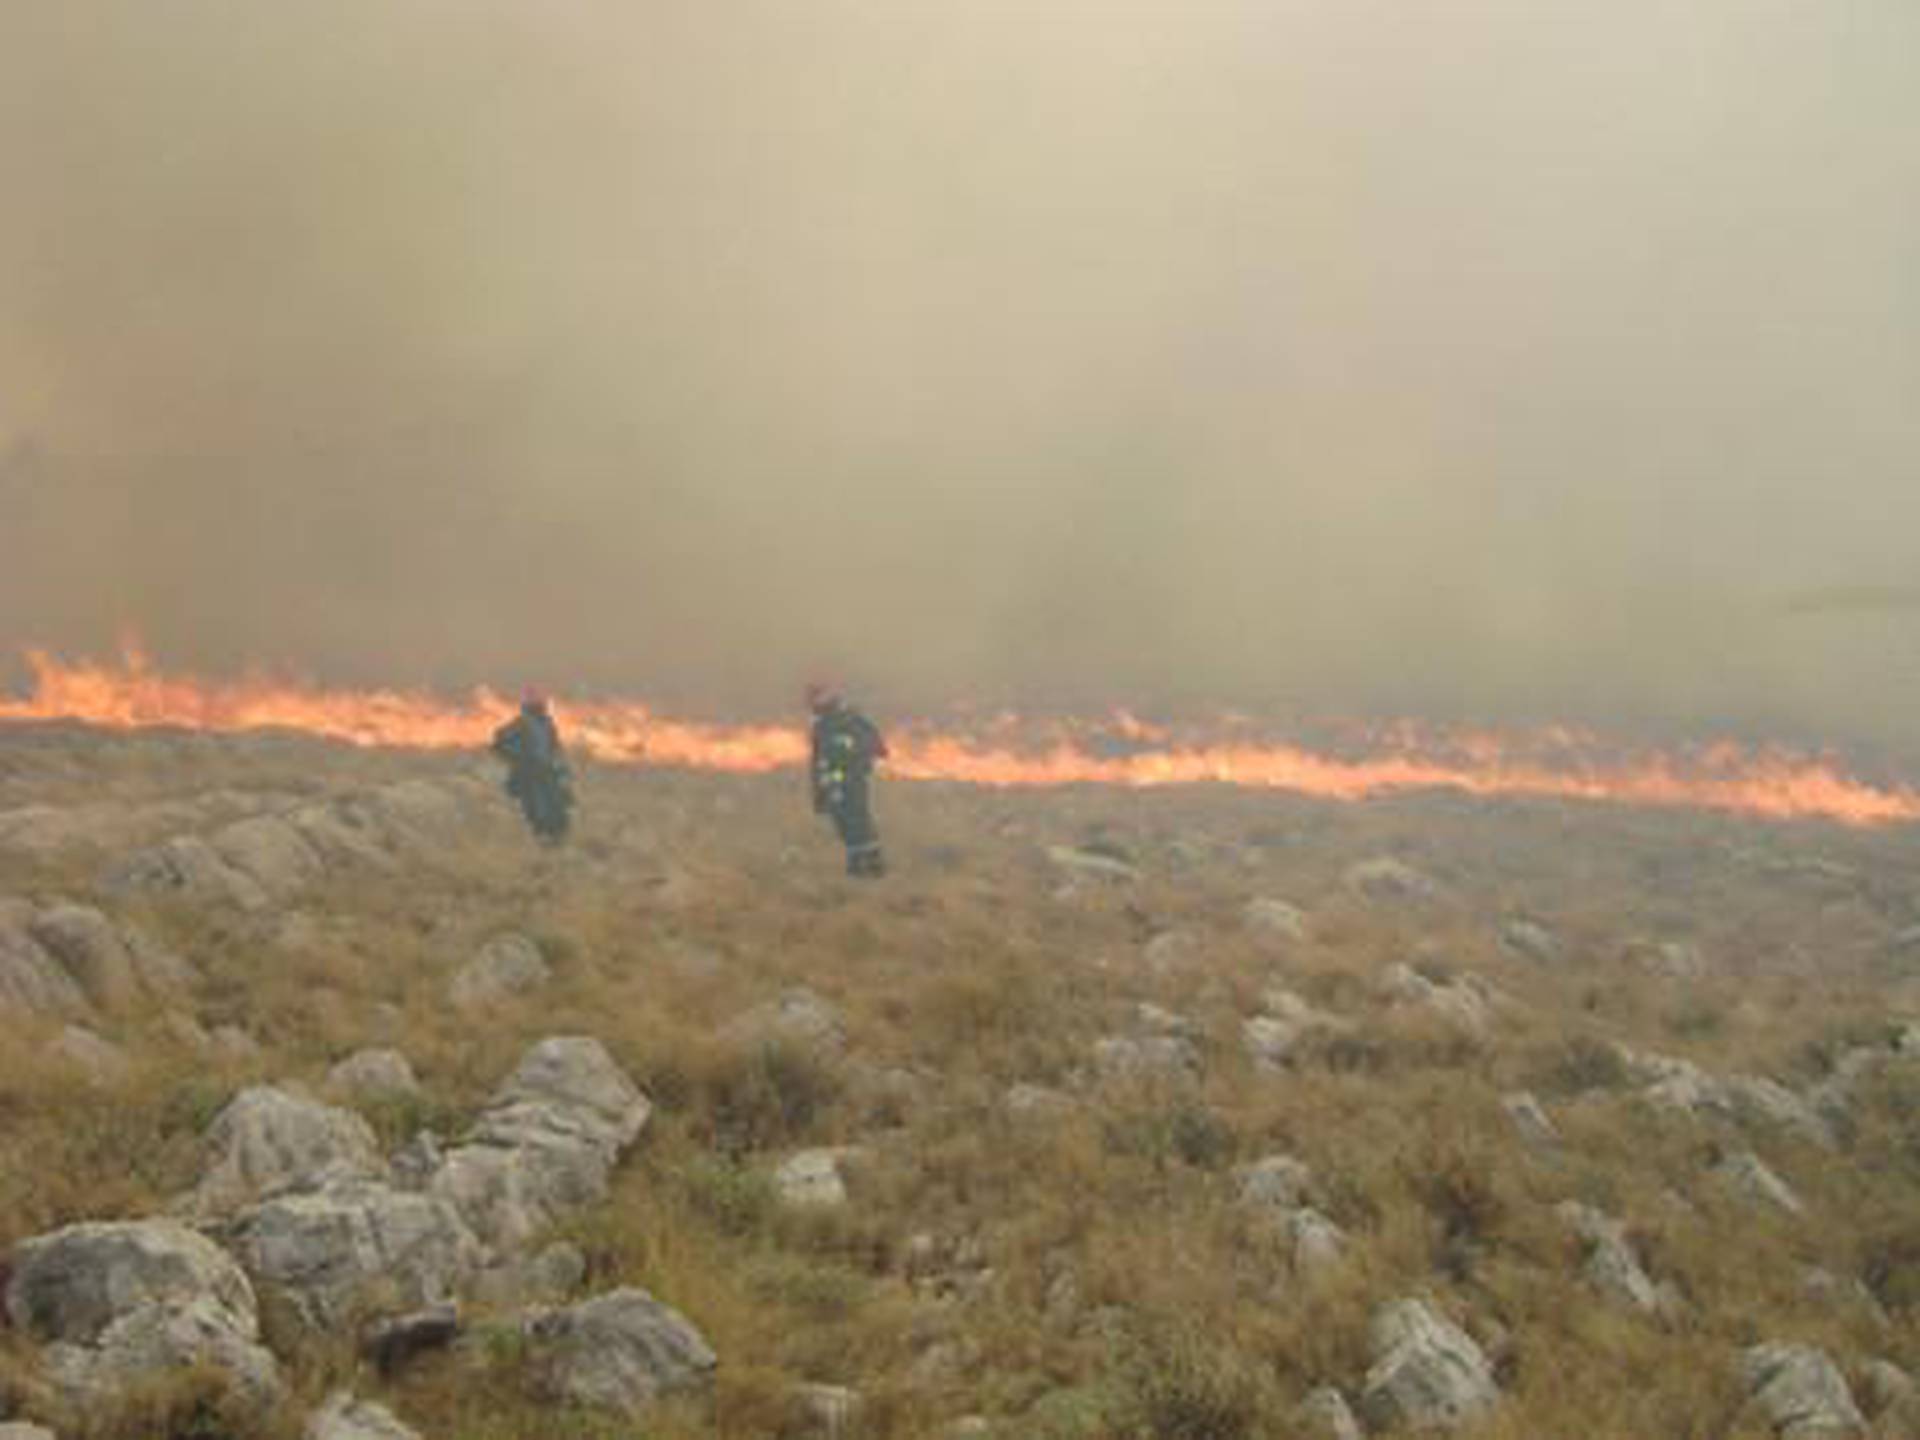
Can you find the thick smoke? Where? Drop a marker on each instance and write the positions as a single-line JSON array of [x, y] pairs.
[[1490, 358]]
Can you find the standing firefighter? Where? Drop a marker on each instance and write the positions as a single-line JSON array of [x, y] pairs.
[[537, 774], [845, 746]]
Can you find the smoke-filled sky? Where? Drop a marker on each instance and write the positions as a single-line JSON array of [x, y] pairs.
[[1488, 357]]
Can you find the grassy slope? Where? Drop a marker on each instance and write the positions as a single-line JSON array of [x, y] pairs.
[[1099, 1281]]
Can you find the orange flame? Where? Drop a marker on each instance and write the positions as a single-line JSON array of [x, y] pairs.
[[1769, 783]]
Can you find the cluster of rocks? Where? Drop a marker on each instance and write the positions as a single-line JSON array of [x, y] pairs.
[[1279, 1190], [1274, 1037], [1682, 1086], [295, 1199], [263, 859]]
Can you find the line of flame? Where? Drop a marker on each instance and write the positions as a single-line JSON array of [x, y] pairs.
[[1766, 783]]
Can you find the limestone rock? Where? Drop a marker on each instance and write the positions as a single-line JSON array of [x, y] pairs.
[[1611, 1266], [73, 1283], [1530, 1118], [507, 965], [1082, 864], [1530, 940], [1772, 1102], [123, 1302], [1800, 1392], [156, 1341], [1029, 1101], [1427, 1372], [1384, 879], [1750, 1178], [1171, 951], [621, 1352], [812, 1178], [799, 1017], [21, 1430], [102, 1061], [831, 1410], [357, 1246], [1275, 921], [92, 951], [1460, 1002], [1890, 1397], [371, 1074], [267, 1140], [342, 834], [345, 1417], [33, 980], [271, 853], [1272, 1038], [1275, 1182], [188, 867], [1318, 1243], [566, 1086], [552, 1277], [547, 1143], [1146, 1057], [1325, 1415]]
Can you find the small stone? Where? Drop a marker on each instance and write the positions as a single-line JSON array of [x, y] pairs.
[[373, 1074], [1530, 1118]]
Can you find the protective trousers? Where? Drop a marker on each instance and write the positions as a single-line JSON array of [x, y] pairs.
[[850, 804]]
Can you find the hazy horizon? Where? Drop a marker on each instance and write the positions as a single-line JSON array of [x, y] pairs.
[[1495, 359]]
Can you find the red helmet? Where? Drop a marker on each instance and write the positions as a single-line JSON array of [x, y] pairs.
[[533, 698], [821, 693]]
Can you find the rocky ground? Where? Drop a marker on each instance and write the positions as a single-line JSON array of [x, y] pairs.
[[332, 1106]]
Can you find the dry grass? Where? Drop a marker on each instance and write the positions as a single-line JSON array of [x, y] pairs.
[[1086, 1274]]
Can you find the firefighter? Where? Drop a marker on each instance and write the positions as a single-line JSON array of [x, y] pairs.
[[845, 746], [537, 773]]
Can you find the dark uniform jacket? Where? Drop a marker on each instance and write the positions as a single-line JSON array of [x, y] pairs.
[[845, 746]]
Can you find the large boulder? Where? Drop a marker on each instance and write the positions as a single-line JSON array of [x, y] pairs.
[[547, 1143], [1427, 1372], [566, 1086], [73, 1283], [357, 1247], [268, 1140], [122, 1303], [1800, 1392], [621, 1352]]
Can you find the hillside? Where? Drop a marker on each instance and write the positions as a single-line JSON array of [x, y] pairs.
[[1110, 1114]]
